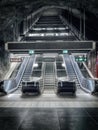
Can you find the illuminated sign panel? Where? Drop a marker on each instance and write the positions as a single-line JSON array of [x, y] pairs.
[[65, 51], [31, 52], [81, 58]]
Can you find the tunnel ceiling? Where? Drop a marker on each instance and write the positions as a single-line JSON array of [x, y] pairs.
[[21, 8]]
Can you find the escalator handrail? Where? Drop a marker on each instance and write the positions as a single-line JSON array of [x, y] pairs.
[[89, 72], [84, 82], [66, 67], [12, 83]]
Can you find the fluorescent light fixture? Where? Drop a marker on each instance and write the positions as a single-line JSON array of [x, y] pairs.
[[35, 65], [53, 28], [63, 65]]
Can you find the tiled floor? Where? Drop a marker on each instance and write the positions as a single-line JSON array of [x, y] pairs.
[[49, 100], [48, 119], [49, 112]]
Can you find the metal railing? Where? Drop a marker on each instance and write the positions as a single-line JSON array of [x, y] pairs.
[[56, 78], [12, 84], [36, 80], [41, 81], [93, 78], [21, 71], [43, 73], [74, 30], [89, 72], [86, 84], [66, 67]]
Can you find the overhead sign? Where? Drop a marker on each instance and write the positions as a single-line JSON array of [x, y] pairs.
[[81, 58], [31, 52], [65, 51], [15, 59], [50, 46]]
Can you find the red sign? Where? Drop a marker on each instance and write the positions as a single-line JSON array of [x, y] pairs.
[[15, 59]]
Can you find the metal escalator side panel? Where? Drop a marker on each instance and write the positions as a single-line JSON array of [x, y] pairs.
[[86, 84], [10, 85]]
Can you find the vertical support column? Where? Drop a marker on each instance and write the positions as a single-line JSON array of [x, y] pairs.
[[92, 57], [84, 22], [26, 24], [71, 16], [17, 30], [68, 19], [80, 26], [14, 31], [24, 27], [68, 15], [97, 65], [21, 27], [31, 21]]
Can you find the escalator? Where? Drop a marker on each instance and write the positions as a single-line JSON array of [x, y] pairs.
[[70, 71], [26, 74], [74, 73], [28, 70]]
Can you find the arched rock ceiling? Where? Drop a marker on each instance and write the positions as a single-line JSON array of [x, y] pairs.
[[21, 8]]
